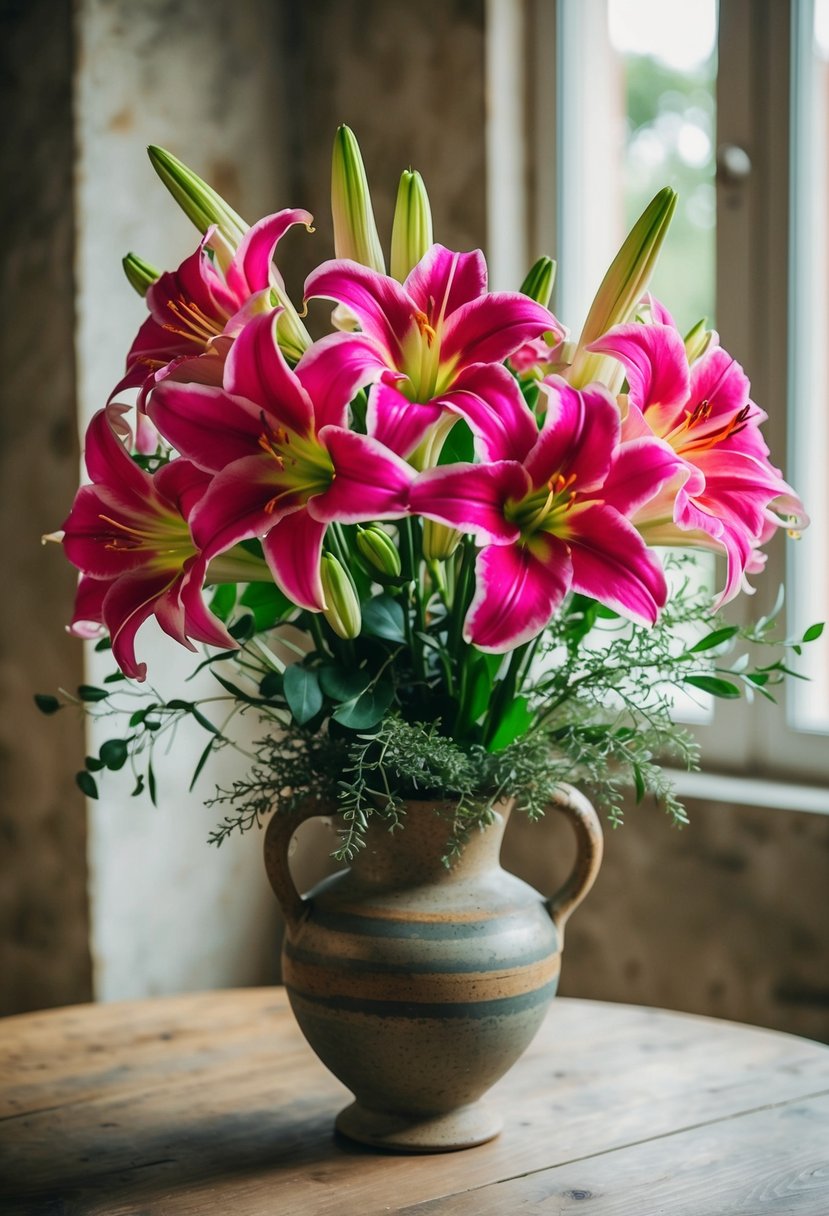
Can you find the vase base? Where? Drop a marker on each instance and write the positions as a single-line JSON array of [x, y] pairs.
[[444, 1133]]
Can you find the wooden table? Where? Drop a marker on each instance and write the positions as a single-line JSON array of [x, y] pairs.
[[214, 1104]]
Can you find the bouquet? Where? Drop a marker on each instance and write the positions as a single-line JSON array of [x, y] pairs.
[[442, 549]]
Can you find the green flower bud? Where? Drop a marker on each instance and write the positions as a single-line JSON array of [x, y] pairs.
[[538, 284], [697, 341], [199, 202], [355, 232], [621, 290], [342, 609], [439, 541], [379, 550], [411, 233], [141, 274]]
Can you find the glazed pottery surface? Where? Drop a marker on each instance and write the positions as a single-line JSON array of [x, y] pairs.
[[420, 985]]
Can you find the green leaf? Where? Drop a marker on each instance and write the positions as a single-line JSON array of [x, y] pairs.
[[114, 677], [267, 604], [302, 692], [103, 644], [236, 691], [178, 703], [88, 692], [139, 786], [383, 618], [515, 722], [201, 763], [223, 601], [86, 783], [713, 685], [458, 446], [638, 782], [114, 753], [366, 710], [713, 639], [151, 784], [205, 722], [46, 703], [813, 632], [481, 680], [271, 684], [93, 764], [342, 685], [137, 719], [243, 629], [219, 657]]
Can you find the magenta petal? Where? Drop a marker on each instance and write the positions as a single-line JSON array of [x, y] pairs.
[[250, 269], [490, 328], [639, 471], [396, 421], [443, 281], [106, 457], [128, 603], [369, 481], [385, 311], [256, 369], [657, 370], [472, 497], [612, 564], [182, 483], [488, 397], [200, 623], [334, 369], [517, 589], [293, 549], [245, 500], [87, 614], [579, 437], [206, 424]]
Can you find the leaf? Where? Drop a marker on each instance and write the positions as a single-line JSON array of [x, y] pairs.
[[93, 764], [713, 685], [151, 784], [342, 685], [236, 691], [813, 632], [139, 786], [302, 692], [114, 677], [459, 445], [515, 722], [383, 618], [639, 782], [713, 639], [271, 684], [223, 601], [114, 753], [268, 605], [46, 703], [205, 722], [366, 710], [201, 763], [88, 692], [480, 688], [243, 629], [86, 783], [103, 644], [137, 719], [219, 657]]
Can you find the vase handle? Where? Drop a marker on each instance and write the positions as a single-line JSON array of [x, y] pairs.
[[590, 846], [278, 839]]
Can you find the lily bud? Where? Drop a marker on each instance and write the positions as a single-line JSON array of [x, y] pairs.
[[355, 232], [199, 202], [439, 541], [411, 233], [291, 334], [342, 609], [538, 284], [380, 552], [141, 274], [697, 341], [620, 292]]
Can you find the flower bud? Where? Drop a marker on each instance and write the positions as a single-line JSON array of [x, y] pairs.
[[199, 202], [439, 541], [620, 292], [697, 341], [538, 284], [378, 549], [411, 233], [355, 232], [342, 609], [141, 274]]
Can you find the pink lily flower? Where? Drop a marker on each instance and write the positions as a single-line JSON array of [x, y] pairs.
[[732, 497], [555, 521], [196, 310], [128, 534], [422, 343], [285, 463]]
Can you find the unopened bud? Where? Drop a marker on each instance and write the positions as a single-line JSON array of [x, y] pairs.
[[379, 551], [538, 284], [342, 610], [355, 232], [439, 541], [140, 274], [697, 341], [199, 202], [411, 233]]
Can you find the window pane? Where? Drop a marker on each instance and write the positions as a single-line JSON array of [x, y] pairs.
[[809, 458]]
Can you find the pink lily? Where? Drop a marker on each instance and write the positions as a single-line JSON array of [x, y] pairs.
[[285, 463], [733, 497], [128, 534], [422, 343], [555, 521], [194, 308]]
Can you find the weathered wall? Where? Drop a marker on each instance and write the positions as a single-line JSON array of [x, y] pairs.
[[44, 955]]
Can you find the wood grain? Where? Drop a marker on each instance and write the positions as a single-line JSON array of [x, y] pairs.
[[213, 1103]]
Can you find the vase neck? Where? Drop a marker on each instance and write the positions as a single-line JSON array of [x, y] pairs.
[[414, 853]]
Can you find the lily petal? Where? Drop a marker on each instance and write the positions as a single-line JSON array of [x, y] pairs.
[[472, 497], [293, 548], [369, 481], [517, 589]]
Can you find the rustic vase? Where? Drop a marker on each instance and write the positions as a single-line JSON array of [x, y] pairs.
[[419, 985]]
